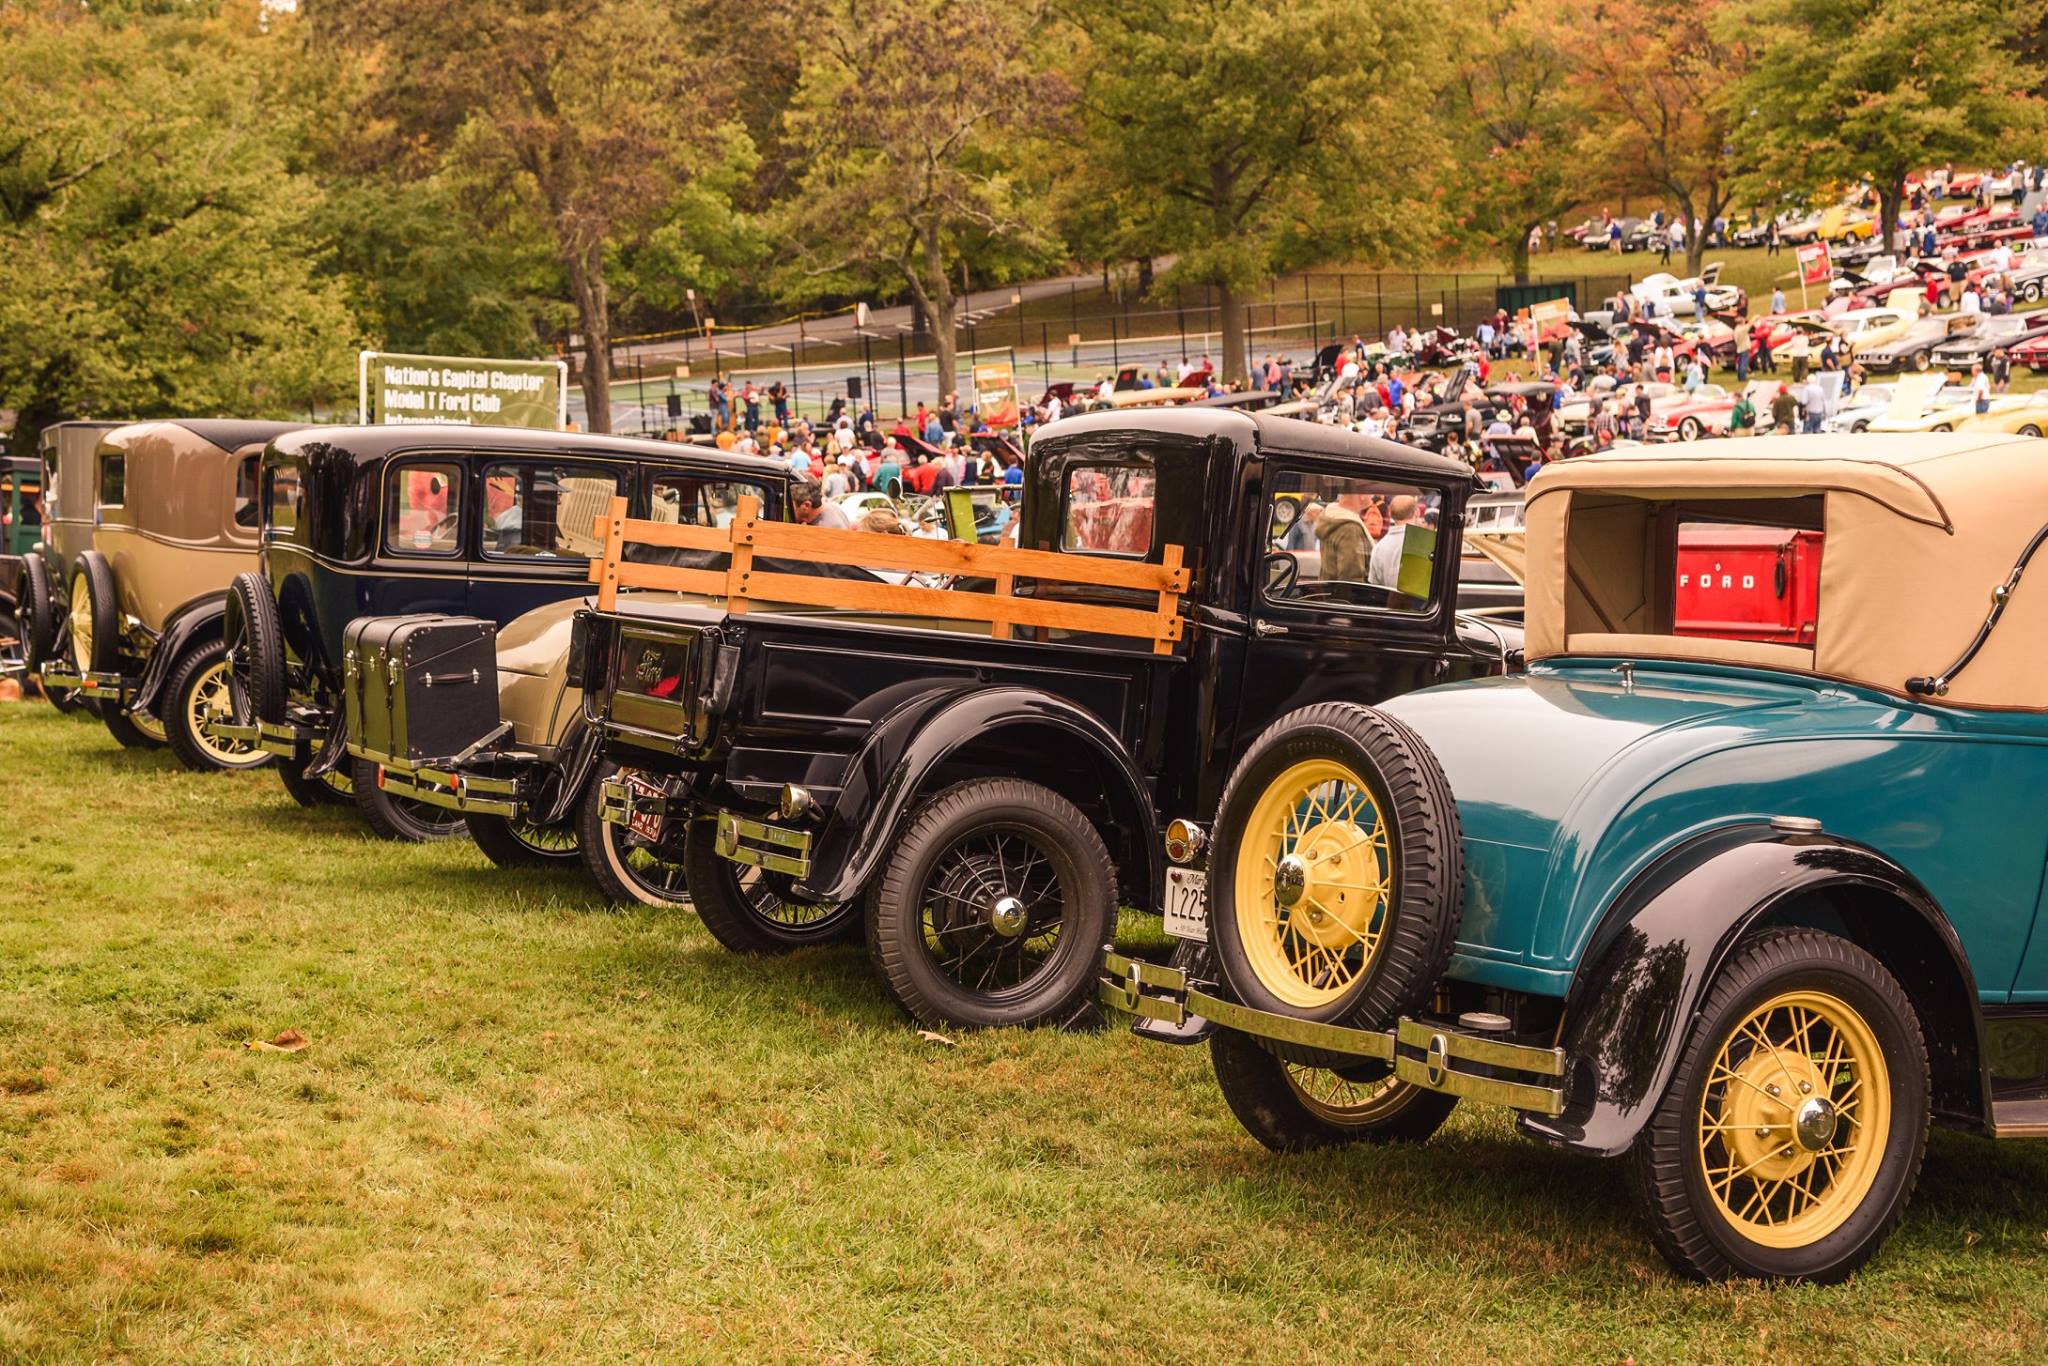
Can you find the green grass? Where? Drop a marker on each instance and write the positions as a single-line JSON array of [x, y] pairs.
[[530, 1129]]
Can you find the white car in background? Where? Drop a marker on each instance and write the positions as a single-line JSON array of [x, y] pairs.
[[1860, 409], [1664, 293], [1866, 329]]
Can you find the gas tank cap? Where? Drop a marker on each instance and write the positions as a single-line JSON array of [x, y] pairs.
[[1796, 825], [1485, 1022]]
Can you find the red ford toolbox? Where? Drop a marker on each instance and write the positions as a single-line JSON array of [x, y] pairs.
[[1748, 583]]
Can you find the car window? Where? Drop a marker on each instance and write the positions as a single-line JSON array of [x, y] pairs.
[[423, 510], [1352, 542], [699, 500], [545, 511], [282, 495], [246, 507], [1109, 508], [113, 480]]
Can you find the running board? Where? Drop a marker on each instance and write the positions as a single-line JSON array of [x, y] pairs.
[[2026, 1118]]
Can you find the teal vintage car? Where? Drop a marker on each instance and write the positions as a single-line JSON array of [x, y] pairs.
[[1746, 913]]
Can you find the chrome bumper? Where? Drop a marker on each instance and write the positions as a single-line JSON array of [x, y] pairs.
[[1427, 1054], [452, 789], [286, 739], [772, 847], [120, 687]]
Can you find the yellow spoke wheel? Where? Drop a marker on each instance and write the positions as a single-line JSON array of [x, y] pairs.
[[81, 625], [1338, 1100], [1794, 1119], [210, 699], [1314, 883]]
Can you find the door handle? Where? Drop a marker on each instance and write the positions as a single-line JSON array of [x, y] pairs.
[[1268, 628]]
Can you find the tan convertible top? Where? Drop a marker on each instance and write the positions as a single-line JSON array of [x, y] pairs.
[[1918, 530]]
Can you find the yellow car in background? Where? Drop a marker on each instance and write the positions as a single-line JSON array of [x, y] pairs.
[[2020, 415], [1865, 329]]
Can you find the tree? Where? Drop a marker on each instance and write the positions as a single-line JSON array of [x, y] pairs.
[[909, 124], [155, 254], [590, 118], [1257, 138], [1847, 91], [1650, 74], [1509, 114]]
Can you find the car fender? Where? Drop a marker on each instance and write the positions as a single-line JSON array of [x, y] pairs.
[[897, 762], [194, 622], [1647, 968]]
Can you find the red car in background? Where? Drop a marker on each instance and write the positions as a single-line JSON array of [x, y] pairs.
[[1702, 413], [2032, 353]]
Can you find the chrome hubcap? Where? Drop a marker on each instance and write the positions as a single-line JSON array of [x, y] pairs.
[[1813, 1124], [1290, 880], [1007, 917]]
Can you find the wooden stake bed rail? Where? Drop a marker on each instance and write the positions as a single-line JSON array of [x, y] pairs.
[[741, 584]]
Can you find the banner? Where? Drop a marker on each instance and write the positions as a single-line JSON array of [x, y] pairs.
[[458, 390], [995, 393], [1814, 266], [1550, 318]]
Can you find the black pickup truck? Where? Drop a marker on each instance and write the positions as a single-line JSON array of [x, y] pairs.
[[981, 806]]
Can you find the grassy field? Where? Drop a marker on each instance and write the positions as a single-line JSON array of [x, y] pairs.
[[529, 1129]]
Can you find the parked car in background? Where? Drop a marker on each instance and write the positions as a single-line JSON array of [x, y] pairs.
[[2025, 416], [1857, 411], [1866, 329], [43, 577], [1996, 332], [1703, 412], [175, 518], [1913, 349], [1689, 928]]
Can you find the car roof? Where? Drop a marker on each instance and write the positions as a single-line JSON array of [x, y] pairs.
[[1917, 527], [1266, 432], [229, 434], [374, 440]]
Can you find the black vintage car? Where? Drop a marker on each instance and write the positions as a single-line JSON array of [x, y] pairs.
[[982, 806], [486, 522]]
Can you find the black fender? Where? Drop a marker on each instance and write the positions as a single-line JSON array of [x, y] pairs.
[[580, 752], [1647, 968], [193, 623], [896, 764]]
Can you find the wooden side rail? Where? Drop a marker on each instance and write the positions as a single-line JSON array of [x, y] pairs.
[[742, 584]]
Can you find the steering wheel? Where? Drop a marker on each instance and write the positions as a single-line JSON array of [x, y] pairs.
[[1280, 584]]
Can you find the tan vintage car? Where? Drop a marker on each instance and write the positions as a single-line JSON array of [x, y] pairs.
[[174, 519]]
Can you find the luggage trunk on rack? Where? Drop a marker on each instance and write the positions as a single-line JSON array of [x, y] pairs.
[[420, 687]]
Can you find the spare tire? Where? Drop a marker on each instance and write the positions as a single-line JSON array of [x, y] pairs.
[[255, 649], [36, 612], [1338, 869], [95, 623]]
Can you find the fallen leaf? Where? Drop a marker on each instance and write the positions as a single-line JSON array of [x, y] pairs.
[[930, 1037], [291, 1041]]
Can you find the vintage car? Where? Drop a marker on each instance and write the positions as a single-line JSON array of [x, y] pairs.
[[1862, 407], [173, 506], [1665, 293], [1997, 332], [21, 526], [65, 452], [1703, 412], [2027, 417], [1922, 403], [1748, 913], [1866, 329], [483, 522], [980, 798], [1913, 349]]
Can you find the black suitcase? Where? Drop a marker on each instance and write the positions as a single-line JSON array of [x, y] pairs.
[[420, 687]]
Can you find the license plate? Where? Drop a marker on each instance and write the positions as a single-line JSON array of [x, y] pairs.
[[640, 821], [1187, 904]]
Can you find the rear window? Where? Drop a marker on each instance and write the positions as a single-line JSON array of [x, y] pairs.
[[113, 480], [423, 510], [698, 500], [1109, 508], [245, 509], [283, 494]]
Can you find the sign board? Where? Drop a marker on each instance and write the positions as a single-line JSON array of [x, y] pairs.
[[459, 390], [1550, 318], [1814, 265], [995, 393]]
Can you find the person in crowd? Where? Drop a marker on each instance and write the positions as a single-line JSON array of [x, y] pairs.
[[1695, 373], [1341, 535], [1766, 363], [1774, 242], [1784, 411], [2001, 369], [1639, 423], [1742, 344], [1777, 300], [807, 501], [1742, 417], [1403, 511], [750, 398], [1980, 389], [778, 397], [1301, 535], [1816, 400], [888, 475]]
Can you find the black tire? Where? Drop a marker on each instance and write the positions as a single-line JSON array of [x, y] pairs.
[[1046, 945], [332, 788], [36, 611], [2029, 429], [1668, 1164], [399, 818], [255, 645], [1859, 425], [1941, 427], [746, 910], [522, 844], [1417, 923], [624, 870], [1922, 360], [92, 584], [129, 731], [198, 677], [1689, 429], [13, 642], [1291, 1107]]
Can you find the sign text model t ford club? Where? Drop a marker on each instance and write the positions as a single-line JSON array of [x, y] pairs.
[[975, 776], [1748, 912]]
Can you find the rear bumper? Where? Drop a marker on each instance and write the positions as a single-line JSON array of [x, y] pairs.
[[119, 687], [661, 817], [1433, 1055], [448, 785], [287, 740]]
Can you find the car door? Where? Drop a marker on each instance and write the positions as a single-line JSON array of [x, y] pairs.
[[1356, 594], [534, 529]]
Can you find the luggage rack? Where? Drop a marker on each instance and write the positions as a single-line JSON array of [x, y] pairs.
[[1435, 1055], [449, 783]]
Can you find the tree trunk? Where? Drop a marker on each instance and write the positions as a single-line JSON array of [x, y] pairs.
[[1236, 367], [1144, 277], [1518, 256], [1891, 202], [586, 281], [936, 306]]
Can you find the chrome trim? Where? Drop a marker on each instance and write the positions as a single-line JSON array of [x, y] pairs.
[[439, 787], [1436, 1057], [734, 832]]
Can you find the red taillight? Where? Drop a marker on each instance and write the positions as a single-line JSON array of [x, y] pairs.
[[667, 686], [380, 777]]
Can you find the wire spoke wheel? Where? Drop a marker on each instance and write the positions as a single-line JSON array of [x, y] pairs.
[[1794, 1119], [210, 699], [1314, 882], [994, 909], [1343, 1101], [81, 627], [558, 840], [639, 861]]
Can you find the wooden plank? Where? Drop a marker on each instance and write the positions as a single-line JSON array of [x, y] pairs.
[[745, 526], [1001, 629], [681, 535], [671, 579], [907, 600], [605, 572], [879, 550], [1169, 603]]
